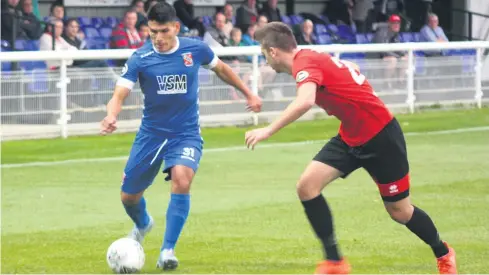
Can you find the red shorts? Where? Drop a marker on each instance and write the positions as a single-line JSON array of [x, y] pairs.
[[384, 157]]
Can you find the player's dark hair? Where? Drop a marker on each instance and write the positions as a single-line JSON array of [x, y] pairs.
[[162, 13], [276, 35]]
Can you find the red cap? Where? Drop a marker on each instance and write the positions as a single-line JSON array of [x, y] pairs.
[[395, 18]]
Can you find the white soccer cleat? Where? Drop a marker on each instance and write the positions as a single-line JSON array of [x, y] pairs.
[[167, 260], [138, 234]]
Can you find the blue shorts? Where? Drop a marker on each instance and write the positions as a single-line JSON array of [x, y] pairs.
[[148, 153]]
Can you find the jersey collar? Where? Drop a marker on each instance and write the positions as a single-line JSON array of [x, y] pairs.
[[174, 49]]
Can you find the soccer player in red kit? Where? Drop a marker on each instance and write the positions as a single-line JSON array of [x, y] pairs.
[[369, 137]]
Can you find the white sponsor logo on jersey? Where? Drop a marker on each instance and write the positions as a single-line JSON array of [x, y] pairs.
[[172, 84], [301, 76]]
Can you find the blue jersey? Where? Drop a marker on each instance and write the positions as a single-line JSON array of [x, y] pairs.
[[169, 82]]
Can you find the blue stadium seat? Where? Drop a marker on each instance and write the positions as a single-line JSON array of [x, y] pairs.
[[97, 22], [361, 38], [84, 21], [346, 33], [40, 81], [32, 45], [296, 19], [6, 66], [468, 63], [416, 36], [320, 29], [111, 21], [105, 32], [419, 65], [286, 20], [324, 39], [406, 37], [21, 45], [92, 33], [370, 37]]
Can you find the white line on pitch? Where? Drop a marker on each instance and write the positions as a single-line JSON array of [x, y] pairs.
[[234, 148]]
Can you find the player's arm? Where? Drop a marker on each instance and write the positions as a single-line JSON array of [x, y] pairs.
[[305, 100], [224, 72], [122, 89], [114, 107], [306, 97]]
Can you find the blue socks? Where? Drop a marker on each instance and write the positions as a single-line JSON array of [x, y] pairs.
[[176, 215], [138, 213]]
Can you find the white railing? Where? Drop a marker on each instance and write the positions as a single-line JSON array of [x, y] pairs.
[[476, 76]]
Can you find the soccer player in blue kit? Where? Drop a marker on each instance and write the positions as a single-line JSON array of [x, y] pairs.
[[167, 69]]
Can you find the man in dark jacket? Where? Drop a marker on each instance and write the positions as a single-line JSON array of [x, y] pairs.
[[185, 12], [271, 11], [23, 21]]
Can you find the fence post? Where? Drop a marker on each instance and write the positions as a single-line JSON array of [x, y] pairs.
[[478, 77], [254, 83], [410, 81], [63, 99]]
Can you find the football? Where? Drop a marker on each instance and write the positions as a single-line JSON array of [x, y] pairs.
[[125, 256]]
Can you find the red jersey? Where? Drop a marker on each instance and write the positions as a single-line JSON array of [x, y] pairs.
[[344, 93]]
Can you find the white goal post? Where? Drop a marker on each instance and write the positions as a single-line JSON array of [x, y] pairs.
[[479, 75]]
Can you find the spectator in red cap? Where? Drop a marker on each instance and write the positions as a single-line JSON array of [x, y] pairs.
[[390, 34]]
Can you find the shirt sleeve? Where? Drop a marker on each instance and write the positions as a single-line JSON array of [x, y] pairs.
[[129, 74], [306, 71], [209, 58]]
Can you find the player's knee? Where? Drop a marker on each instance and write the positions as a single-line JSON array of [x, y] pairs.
[[130, 199], [181, 179], [306, 190], [400, 212]]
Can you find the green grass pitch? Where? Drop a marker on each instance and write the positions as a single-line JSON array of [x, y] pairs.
[[245, 216]]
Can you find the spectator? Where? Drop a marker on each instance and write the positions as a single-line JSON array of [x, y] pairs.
[[29, 23], [125, 35], [262, 20], [70, 35], [390, 34], [271, 11], [144, 32], [149, 4], [26, 24], [138, 7], [246, 15], [215, 36], [432, 32], [228, 13], [46, 42], [305, 34], [57, 11], [337, 11], [185, 12], [360, 13]]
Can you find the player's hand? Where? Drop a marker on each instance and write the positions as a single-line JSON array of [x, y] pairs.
[[108, 125], [254, 104], [254, 136]]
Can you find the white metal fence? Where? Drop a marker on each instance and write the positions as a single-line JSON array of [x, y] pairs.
[[71, 101]]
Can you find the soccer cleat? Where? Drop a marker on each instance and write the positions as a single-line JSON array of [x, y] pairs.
[[138, 234], [167, 260], [333, 267], [446, 264]]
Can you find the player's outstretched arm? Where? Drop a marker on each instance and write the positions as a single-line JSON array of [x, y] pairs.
[[114, 107], [227, 75], [305, 100]]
